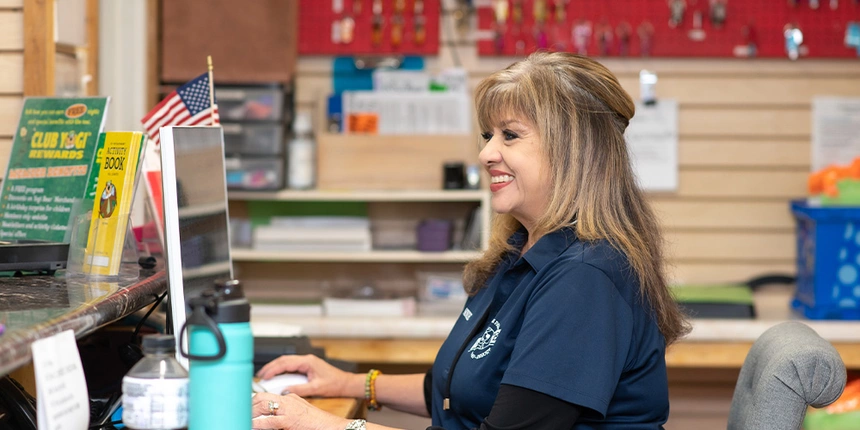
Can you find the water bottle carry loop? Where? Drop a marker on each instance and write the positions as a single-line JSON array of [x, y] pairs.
[[197, 317]]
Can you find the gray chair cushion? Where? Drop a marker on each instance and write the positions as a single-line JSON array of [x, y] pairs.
[[788, 367]]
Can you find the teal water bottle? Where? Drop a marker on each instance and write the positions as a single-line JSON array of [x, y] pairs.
[[220, 353]]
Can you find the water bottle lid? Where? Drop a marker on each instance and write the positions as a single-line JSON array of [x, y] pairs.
[[232, 304], [159, 343], [230, 289]]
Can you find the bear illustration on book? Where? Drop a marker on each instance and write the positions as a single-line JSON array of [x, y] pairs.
[[70, 141], [108, 200]]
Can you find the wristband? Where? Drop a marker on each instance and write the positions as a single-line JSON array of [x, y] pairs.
[[370, 390]]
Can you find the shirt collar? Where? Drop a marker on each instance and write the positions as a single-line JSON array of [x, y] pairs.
[[548, 247]]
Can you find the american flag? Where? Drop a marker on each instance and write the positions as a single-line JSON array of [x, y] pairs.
[[188, 105]]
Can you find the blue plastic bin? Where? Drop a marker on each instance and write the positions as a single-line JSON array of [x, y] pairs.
[[828, 261]]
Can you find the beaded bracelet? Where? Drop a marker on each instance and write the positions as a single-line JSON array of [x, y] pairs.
[[370, 390]]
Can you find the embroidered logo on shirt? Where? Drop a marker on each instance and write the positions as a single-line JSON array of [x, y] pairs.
[[467, 314], [485, 343]]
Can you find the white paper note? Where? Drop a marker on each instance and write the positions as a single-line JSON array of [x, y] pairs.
[[652, 139], [62, 401], [835, 131]]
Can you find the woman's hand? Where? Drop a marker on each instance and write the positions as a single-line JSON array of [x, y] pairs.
[[292, 412], [324, 379]]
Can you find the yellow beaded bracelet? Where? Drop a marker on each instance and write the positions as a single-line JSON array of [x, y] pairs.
[[370, 390]]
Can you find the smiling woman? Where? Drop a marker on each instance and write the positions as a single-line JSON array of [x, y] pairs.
[[569, 314]]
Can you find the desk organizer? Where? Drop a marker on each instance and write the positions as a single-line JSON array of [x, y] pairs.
[[828, 261]]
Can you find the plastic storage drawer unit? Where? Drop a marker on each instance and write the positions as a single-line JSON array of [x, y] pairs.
[[253, 139], [255, 173], [250, 103], [828, 261]]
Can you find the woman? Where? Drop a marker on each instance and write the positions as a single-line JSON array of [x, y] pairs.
[[569, 314]]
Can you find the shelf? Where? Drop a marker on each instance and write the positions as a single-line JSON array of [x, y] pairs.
[[206, 270], [240, 254], [364, 196], [201, 210]]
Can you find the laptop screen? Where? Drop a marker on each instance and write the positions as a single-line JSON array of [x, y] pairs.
[[196, 223]]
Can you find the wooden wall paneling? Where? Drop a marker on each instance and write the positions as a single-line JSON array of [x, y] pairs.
[[769, 123], [746, 153], [11, 72], [11, 30], [721, 215], [389, 162], [710, 272], [10, 111], [39, 48], [744, 184], [730, 245]]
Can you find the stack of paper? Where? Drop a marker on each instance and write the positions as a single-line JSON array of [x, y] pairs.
[[314, 234]]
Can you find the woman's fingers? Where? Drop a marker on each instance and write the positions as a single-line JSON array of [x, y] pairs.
[[260, 403], [284, 364], [264, 422]]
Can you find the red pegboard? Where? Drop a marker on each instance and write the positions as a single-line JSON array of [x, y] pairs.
[[316, 18], [823, 28]]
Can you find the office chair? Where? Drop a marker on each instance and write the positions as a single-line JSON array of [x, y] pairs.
[[788, 368]]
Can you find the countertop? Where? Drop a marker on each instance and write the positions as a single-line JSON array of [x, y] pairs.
[[35, 307]]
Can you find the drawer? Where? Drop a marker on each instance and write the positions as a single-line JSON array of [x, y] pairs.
[[250, 103], [254, 173], [253, 139]]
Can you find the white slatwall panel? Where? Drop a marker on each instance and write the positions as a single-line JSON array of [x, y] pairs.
[[11, 72], [5, 150], [10, 111], [11, 30]]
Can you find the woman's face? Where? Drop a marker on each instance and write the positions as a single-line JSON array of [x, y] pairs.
[[519, 181]]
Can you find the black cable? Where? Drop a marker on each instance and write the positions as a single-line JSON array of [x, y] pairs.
[[140, 323]]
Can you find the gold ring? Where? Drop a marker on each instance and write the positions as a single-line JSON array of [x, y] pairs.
[[273, 407]]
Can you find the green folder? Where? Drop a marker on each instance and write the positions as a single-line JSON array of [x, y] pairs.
[[715, 301]]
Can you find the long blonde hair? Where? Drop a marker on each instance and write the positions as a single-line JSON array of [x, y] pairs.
[[580, 112]]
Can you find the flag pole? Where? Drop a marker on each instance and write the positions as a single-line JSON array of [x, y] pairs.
[[211, 90]]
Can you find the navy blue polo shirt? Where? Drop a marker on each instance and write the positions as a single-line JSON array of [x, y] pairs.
[[566, 320]]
